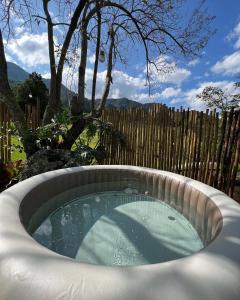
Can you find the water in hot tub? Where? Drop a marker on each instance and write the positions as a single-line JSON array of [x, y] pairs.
[[118, 228]]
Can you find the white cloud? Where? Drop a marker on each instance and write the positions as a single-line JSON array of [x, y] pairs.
[[9, 58], [123, 85], [146, 98], [194, 103], [194, 62], [46, 75], [7, 54], [91, 59], [235, 35], [170, 92], [134, 88], [69, 78], [176, 101], [178, 76], [19, 30], [30, 49], [131, 87], [168, 72], [229, 65]]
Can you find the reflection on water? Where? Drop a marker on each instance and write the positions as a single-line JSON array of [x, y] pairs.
[[118, 228]]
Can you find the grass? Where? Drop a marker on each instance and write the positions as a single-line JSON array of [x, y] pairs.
[[92, 143], [16, 155]]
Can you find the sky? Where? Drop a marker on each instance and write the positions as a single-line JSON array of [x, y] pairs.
[[218, 65]]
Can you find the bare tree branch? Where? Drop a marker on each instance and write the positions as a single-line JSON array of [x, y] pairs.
[[97, 51]]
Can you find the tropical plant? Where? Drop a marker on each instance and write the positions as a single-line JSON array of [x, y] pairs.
[[8, 172]]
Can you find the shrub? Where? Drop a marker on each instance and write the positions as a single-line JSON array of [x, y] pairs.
[[8, 173]]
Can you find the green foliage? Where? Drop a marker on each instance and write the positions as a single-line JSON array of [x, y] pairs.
[[31, 90], [47, 136], [87, 149], [91, 131], [16, 146], [50, 135], [8, 172], [63, 118], [116, 136], [86, 155]]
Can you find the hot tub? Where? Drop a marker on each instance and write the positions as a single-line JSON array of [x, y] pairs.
[[146, 265]]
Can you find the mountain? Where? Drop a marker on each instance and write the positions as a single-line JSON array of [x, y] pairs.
[[122, 103], [16, 74]]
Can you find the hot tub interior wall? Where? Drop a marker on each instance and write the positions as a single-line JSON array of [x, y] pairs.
[[202, 213]]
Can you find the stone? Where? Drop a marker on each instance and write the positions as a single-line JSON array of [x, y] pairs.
[[43, 161]]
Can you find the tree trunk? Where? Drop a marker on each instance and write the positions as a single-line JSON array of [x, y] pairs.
[[82, 70], [94, 83], [73, 133], [108, 76], [56, 80]]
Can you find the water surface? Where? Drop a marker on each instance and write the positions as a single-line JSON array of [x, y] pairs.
[[118, 228]]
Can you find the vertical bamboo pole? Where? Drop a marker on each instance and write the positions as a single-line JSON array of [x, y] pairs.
[[187, 142], [5, 133], [236, 158], [161, 164], [214, 149], [1, 132], [8, 137], [195, 131], [174, 129], [172, 139], [198, 153], [209, 140], [204, 146], [225, 163], [180, 167], [233, 141], [220, 148], [158, 128]]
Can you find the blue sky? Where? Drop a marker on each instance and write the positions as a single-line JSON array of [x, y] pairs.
[[219, 64]]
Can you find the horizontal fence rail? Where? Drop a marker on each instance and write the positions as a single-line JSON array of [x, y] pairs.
[[201, 145]]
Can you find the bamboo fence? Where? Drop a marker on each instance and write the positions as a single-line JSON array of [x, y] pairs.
[[32, 114], [5, 134], [201, 145]]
